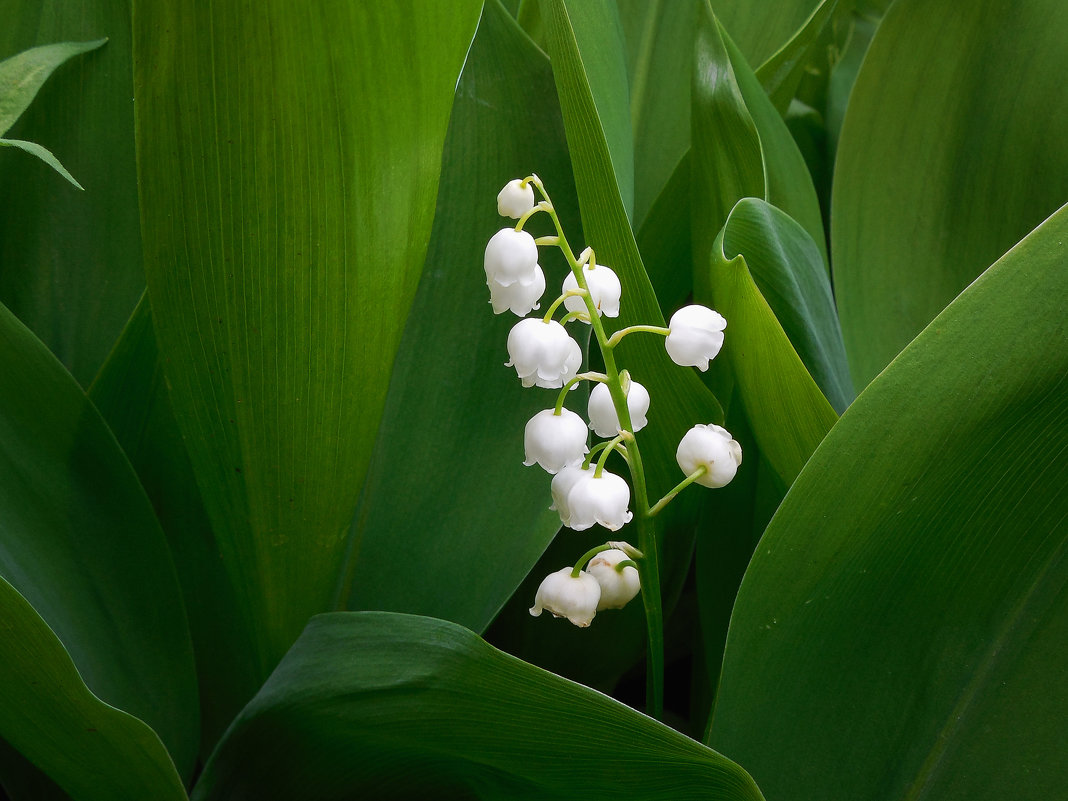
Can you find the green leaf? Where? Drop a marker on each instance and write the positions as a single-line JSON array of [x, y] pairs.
[[430, 710], [89, 748], [288, 164], [130, 392], [23, 75], [759, 31], [762, 255], [900, 631], [81, 545], [781, 74], [44, 154], [659, 63], [72, 261], [447, 497], [741, 146], [598, 34], [952, 149]]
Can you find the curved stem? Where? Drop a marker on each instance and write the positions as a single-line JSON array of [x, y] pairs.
[[633, 329], [591, 376], [696, 474], [571, 293], [586, 557]]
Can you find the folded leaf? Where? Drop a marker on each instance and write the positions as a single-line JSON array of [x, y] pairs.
[[23, 75], [429, 710]]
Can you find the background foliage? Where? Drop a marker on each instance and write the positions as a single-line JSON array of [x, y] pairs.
[[264, 528]]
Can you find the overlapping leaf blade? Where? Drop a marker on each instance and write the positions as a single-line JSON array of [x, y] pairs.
[[79, 543], [288, 164], [90, 749], [899, 631], [430, 710], [951, 150], [72, 260], [447, 497]]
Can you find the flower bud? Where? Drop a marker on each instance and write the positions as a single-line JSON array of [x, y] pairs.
[[603, 418], [565, 596], [511, 256], [605, 290], [601, 500], [516, 199], [555, 440], [618, 587], [520, 298], [713, 447], [543, 353], [696, 335]]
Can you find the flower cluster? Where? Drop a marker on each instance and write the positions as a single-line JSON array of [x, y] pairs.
[[544, 354]]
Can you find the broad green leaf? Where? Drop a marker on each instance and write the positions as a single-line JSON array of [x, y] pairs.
[[781, 74], [288, 164], [89, 748], [657, 36], [680, 399], [762, 29], [23, 75], [900, 631], [767, 276], [951, 150], [79, 542], [72, 260], [598, 34], [131, 394], [44, 154], [665, 244], [430, 710], [741, 146], [447, 497]]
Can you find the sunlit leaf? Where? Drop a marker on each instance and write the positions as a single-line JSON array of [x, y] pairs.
[[288, 163], [951, 150]]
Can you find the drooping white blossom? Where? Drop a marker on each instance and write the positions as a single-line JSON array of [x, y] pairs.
[[713, 447], [562, 484], [520, 298], [563, 595], [696, 335], [511, 257], [555, 440], [598, 499], [618, 587], [543, 353], [516, 199], [605, 290], [602, 412]]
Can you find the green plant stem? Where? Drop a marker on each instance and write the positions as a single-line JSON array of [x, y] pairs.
[[590, 376], [649, 569], [633, 329], [586, 557], [696, 474]]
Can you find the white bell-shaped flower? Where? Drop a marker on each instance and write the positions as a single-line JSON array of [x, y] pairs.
[[511, 257], [618, 587], [599, 499], [543, 353], [555, 440], [562, 594], [516, 199], [521, 299], [603, 418], [696, 335], [713, 447], [605, 290], [562, 484]]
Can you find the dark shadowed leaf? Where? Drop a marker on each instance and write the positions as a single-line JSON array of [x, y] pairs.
[[430, 710]]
